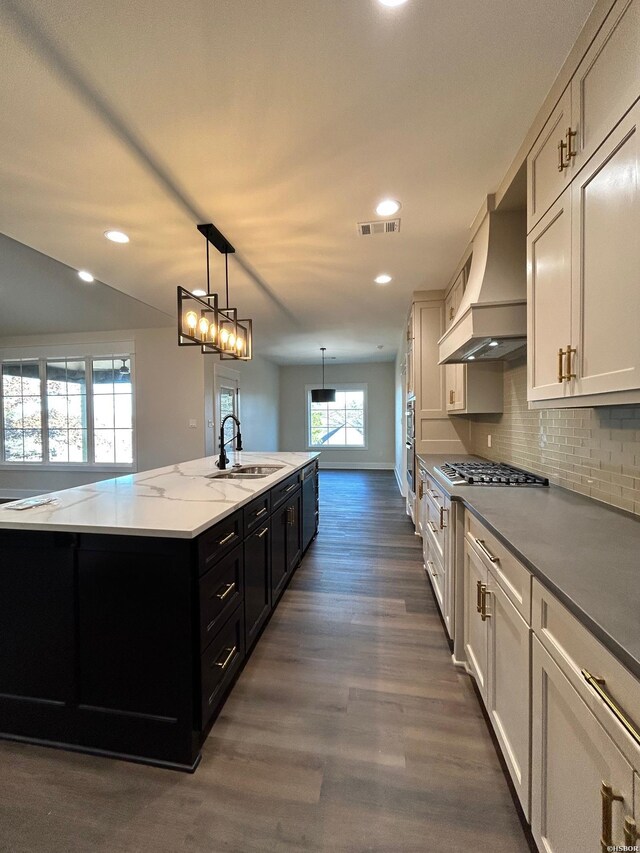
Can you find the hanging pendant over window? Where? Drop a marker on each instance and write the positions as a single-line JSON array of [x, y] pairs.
[[323, 395]]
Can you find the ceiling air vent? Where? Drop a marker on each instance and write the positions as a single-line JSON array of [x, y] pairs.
[[383, 226]]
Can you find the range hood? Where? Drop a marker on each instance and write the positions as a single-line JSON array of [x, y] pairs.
[[491, 321]]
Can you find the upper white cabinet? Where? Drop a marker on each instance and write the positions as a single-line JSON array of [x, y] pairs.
[[454, 297], [474, 388], [410, 378], [604, 87], [583, 250]]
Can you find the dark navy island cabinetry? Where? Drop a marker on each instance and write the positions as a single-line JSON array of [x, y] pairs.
[[127, 645]]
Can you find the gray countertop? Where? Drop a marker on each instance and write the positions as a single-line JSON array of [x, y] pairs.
[[587, 554]]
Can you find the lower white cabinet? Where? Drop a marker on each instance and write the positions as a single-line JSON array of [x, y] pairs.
[[497, 648], [581, 785]]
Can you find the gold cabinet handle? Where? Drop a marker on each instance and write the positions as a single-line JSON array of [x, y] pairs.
[[432, 569], [223, 664], [432, 526], [569, 374], [442, 512], [571, 151], [228, 538], [562, 145], [485, 550], [479, 596], [484, 593], [420, 490], [452, 396], [560, 365], [618, 713], [609, 796], [229, 589], [631, 834], [264, 532], [451, 314]]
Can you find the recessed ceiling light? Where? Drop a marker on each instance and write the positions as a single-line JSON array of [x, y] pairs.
[[199, 292], [383, 279], [116, 236], [85, 276], [387, 207], [494, 344], [392, 2], [471, 358]]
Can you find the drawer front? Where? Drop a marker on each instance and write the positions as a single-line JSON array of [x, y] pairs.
[[219, 540], [512, 576], [220, 662], [433, 491], [221, 590], [283, 490], [257, 512], [575, 649], [436, 524], [310, 470]]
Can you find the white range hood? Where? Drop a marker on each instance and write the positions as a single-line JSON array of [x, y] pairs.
[[491, 321]]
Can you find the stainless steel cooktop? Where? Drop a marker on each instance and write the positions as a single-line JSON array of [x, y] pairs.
[[489, 474]]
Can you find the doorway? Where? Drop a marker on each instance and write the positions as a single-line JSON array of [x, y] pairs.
[[226, 401]]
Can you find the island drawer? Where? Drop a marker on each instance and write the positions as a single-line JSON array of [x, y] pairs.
[[281, 492], [221, 590], [220, 662], [219, 540], [256, 512]]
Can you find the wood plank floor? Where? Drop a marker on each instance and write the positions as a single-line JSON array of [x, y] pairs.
[[349, 729]]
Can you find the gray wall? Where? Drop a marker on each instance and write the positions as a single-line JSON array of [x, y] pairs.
[[259, 406], [380, 379]]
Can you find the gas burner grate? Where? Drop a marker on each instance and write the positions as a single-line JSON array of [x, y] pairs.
[[490, 474]]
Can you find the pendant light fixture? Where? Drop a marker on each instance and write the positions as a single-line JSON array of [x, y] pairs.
[[323, 395], [201, 320]]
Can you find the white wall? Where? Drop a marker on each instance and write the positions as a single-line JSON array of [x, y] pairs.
[[399, 412], [260, 404], [380, 379], [169, 382]]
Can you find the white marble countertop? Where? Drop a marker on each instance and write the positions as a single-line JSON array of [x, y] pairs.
[[178, 501]]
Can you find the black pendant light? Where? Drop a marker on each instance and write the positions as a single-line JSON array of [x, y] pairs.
[[323, 395]]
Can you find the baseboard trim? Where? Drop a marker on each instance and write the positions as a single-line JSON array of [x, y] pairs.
[[358, 466], [399, 481], [16, 494]]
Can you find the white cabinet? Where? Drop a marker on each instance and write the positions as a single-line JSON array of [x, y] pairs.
[[438, 547], [410, 376], [476, 645], [474, 388], [547, 176], [549, 301], [578, 773], [454, 298], [607, 81], [584, 281]]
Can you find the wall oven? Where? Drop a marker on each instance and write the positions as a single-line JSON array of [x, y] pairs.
[[410, 446]]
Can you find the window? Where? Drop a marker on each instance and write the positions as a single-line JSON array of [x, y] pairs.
[[76, 411], [341, 424]]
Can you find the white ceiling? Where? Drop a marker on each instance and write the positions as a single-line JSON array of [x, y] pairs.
[[283, 122]]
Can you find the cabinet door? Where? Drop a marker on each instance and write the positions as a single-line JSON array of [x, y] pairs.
[[309, 507], [606, 265], [456, 387], [410, 355], [545, 180], [508, 686], [294, 531], [572, 756], [257, 581], [607, 81], [475, 630], [452, 302], [549, 301], [278, 551]]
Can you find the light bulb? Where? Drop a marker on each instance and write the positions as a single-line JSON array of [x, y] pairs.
[[388, 207], [203, 325], [199, 292], [224, 337], [232, 340], [212, 331], [191, 319], [116, 236], [239, 344]]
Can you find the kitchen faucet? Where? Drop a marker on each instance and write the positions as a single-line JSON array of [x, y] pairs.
[[223, 459]]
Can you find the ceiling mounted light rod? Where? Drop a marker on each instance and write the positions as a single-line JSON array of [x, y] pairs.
[[203, 323], [323, 395]]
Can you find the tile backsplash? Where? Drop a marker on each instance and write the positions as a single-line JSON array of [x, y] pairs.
[[592, 451]]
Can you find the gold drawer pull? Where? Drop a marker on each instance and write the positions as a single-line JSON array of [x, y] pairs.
[[560, 365], [484, 593], [618, 713], [608, 798], [263, 532], [479, 596], [569, 374], [228, 591], [485, 550], [442, 512], [433, 493], [420, 490], [228, 538], [230, 653], [432, 526], [452, 397], [260, 512], [562, 145], [631, 834], [571, 151], [433, 568]]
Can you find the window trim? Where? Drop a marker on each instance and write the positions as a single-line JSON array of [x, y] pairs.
[[339, 386], [42, 354]]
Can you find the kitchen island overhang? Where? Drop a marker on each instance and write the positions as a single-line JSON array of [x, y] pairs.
[[122, 631]]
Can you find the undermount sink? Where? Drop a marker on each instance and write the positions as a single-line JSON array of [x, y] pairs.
[[245, 472]]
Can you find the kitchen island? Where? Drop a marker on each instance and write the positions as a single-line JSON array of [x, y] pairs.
[[128, 606]]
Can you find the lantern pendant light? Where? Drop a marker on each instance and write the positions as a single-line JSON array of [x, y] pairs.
[[323, 395], [201, 320]]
